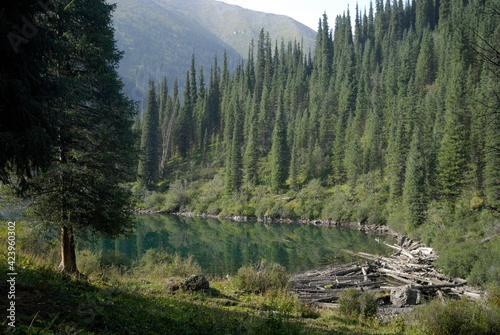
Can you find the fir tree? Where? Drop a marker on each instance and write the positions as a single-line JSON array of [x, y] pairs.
[[184, 125], [165, 111], [452, 152], [425, 13], [94, 153], [150, 142], [414, 184], [279, 151], [250, 158], [425, 68], [234, 173], [490, 113], [213, 101]]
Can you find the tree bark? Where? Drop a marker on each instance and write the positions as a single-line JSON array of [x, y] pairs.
[[68, 253]]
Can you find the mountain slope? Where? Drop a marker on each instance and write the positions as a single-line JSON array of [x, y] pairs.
[[159, 37], [237, 26]]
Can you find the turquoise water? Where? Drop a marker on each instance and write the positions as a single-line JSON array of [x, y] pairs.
[[222, 247]]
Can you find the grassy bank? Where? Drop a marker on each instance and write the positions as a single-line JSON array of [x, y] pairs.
[[135, 299], [113, 300]]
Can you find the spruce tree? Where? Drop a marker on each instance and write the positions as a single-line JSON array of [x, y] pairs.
[[338, 150], [425, 13], [213, 101], [234, 173], [414, 184], [149, 161], [94, 153], [373, 141], [425, 69], [165, 112], [352, 160], [279, 151], [184, 125], [250, 158], [265, 121], [169, 134], [490, 102], [451, 157]]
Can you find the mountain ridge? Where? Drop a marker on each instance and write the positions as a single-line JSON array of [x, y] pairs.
[[159, 37]]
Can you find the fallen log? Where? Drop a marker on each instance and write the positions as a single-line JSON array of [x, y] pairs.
[[301, 280], [365, 273], [326, 304], [413, 277], [403, 280], [400, 249], [331, 272], [436, 287]]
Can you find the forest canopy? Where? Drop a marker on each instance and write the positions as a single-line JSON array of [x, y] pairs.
[[392, 120]]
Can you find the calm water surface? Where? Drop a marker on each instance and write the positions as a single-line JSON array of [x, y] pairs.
[[222, 247]]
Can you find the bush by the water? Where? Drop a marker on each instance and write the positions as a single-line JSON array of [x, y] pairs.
[[455, 317], [355, 303], [160, 264], [263, 277]]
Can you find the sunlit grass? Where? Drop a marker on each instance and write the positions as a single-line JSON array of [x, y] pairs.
[[126, 300]]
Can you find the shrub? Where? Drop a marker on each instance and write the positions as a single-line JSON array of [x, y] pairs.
[[493, 295], [208, 198], [177, 196], [454, 317], [236, 204], [159, 264], [339, 206], [310, 200], [88, 262], [354, 303], [278, 309], [348, 301], [459, 258], [270, 205], [368, 305], [154, 201], [109, 258], [486, 269], [262, 278]]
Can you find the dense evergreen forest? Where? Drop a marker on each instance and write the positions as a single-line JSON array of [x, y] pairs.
[[393, 119]]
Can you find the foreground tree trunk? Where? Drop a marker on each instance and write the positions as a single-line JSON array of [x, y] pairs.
[[68, 254]]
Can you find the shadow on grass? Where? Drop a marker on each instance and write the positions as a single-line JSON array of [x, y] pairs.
[[48, 302]]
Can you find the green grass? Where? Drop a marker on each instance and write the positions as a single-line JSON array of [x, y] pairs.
[[49, 302], [134, 299]]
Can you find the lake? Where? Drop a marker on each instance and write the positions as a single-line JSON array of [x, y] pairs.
[[222, 247]]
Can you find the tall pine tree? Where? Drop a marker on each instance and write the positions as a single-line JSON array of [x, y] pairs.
[[94, 152], [279, 151], [149, 161], [414, 184]]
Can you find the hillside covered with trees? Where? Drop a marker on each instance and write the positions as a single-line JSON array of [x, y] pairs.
[[394, 120], [159, 36]]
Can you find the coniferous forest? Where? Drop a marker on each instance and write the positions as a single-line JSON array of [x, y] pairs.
[[392, 119]]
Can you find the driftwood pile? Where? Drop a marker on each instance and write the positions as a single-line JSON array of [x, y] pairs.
[[411, 264]]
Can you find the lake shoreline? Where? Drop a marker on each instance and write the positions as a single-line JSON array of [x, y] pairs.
[[363, 227], [402, 265]]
